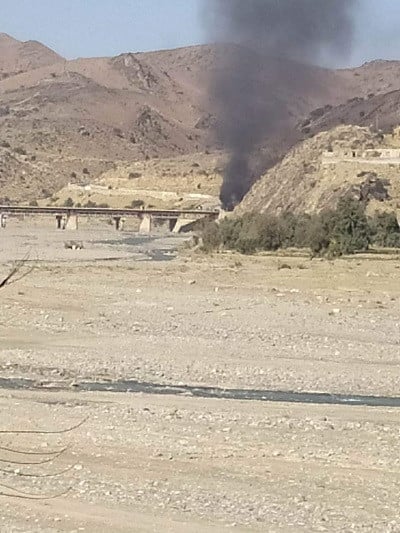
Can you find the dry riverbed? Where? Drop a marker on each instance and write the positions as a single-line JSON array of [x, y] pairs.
[[184, 464]]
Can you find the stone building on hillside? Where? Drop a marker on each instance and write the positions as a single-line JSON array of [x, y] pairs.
[[371, 155]]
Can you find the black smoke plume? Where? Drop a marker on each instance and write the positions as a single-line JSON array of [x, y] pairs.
[[272, 31]]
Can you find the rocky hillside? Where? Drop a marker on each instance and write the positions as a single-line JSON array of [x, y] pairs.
[[317, 172], [17, 57], [380, 112], [71, 121]]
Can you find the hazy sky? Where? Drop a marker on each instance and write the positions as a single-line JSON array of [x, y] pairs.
[[108, 27]]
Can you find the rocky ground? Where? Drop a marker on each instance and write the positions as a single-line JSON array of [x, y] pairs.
[[183, 464]]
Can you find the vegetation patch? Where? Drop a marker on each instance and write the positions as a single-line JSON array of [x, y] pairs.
[[333, 232]]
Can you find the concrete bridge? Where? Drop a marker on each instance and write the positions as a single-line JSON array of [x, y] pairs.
[[68, 217]]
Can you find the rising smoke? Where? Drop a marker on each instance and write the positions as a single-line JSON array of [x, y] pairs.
[[267, 31]]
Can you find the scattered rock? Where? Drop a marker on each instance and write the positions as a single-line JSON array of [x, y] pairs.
[[73, 245]]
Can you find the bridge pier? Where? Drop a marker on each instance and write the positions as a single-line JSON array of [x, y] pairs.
[[119, 223], [72, 222], [59, 221], [172, 222], [183, 225], [146, 224]]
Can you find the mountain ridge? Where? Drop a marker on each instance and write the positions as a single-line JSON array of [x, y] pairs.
[[95, 113]]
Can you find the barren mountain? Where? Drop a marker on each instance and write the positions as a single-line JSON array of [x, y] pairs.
[[71, 121], [17, 57]]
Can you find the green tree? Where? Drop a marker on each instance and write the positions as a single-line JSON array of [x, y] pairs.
[[385, 230], [351, 232]]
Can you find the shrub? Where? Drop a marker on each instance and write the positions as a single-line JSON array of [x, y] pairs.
[[69, 202], [136, 204], [211, 235], [19, 150], [230, 230], [385, 230], [318, 232], [287, 229], [344, 230], [89, 203], [33, 203], [300, 237], [260, 232], [246, 234], [249, 236], [134, 175]]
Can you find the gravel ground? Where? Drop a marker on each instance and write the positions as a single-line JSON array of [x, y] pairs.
[[146, 463]]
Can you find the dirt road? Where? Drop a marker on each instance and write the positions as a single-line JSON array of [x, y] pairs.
[[184, 464]]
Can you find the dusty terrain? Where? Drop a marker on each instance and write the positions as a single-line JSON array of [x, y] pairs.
[[174, 183], [72, 121], [184, 464]]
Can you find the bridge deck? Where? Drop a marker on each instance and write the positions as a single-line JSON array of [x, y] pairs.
[[106, 211]]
